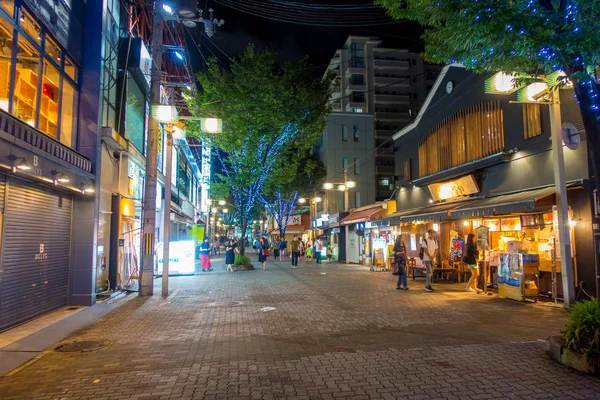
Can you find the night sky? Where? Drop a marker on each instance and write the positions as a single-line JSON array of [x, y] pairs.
[[293, 41]]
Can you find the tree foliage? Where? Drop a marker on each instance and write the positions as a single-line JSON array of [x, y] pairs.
[[525, 36], [294, 175], [264, 108]]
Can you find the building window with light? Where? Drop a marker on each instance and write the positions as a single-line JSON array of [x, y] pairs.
[[344, 163], [41, 88], [356, 166], [356, 133], [345, 133]]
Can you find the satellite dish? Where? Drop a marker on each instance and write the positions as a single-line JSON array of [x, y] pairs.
[[570, 136]]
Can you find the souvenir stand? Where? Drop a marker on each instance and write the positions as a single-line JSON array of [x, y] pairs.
[[518, 276]]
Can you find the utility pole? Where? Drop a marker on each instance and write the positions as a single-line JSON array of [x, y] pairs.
[[167, 212], [149, 204], [564, 237], [346, 209]]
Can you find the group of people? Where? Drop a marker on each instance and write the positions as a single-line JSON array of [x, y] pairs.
[[428, 253], [300, 251], [206, 249]]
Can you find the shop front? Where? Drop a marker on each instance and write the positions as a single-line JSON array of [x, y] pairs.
[[380, 236], [516, 223], [359, 251]]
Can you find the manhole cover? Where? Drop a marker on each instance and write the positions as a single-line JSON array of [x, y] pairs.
[[224, 304], [74, 347]]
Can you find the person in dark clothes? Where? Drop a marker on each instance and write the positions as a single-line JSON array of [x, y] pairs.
[[471, 255], [230, 250]]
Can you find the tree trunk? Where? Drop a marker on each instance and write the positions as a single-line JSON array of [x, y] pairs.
[[242, 247]]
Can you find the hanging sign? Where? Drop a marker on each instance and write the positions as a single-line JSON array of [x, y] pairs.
[[452, 189]]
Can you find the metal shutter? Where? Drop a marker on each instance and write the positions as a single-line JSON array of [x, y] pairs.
[[2, 185], [34, 276]]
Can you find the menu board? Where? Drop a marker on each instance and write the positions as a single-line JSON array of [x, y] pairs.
[[510, 224], [482, 233], [493, 224]]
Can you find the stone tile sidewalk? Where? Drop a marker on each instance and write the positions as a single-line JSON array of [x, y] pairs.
[[335, 332]]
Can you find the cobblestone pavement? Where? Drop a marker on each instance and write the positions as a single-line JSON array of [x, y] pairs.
[[336, 332]]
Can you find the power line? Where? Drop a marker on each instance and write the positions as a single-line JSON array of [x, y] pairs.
[[295, 18]]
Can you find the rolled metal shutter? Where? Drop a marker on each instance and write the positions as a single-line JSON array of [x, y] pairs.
[[34, 277], [2, 185]]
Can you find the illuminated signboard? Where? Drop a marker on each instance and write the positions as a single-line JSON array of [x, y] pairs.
[[181, 257], [204, 178], [452, 189]]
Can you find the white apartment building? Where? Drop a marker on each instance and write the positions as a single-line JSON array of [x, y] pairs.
[[390, 84]]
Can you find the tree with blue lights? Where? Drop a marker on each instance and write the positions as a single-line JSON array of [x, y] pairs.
[[264, 108], [295, 174], [524, 36]]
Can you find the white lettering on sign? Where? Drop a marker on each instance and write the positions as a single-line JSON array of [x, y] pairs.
[[295, 220], [41, 255]]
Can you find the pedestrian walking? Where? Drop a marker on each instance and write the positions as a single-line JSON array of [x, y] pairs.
[[275, 249], [283, 244], [256, 246], [302, 251], [400, 261], [471, 255], [430, 250], [264, 252], [329, 254], [295, 251], [205, 255], [230, 250], [318, 249], [309, 251]]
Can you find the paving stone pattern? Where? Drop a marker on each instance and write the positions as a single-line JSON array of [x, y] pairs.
[[336, 332]]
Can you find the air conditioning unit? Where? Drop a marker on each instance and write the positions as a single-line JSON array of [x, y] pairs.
[[188, 8]]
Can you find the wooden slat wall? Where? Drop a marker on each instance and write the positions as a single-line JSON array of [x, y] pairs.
[[532, 122], [468, 135]]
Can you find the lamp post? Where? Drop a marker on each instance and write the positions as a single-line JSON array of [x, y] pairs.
[[543, 93], [312, 201], [343, 187]]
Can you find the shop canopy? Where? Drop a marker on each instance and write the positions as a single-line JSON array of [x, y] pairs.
[[363, 216], [434, 213], [520, 202]]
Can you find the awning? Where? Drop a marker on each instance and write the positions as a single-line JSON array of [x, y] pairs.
[[520, 202], [362, 216], [434, 213]]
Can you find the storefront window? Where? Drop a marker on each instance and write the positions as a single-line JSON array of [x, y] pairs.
[[70, 69], [26, 82], [8, 6], [68, 114], [52, 50], [49, 100], [6, 44], [30, 26]]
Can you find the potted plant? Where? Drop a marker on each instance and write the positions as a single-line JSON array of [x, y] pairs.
[[579, 345], [242, 263]]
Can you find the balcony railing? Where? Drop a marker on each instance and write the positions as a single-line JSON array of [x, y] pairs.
[[392, 81], [392, 116], [392, 98], [384, 133], [391, 64], [385, 170]]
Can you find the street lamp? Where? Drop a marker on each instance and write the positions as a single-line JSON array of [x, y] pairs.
[[343, 187], [541, 92]]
